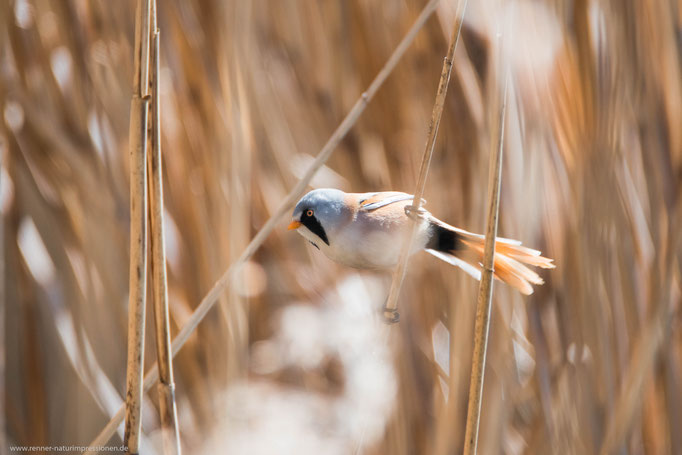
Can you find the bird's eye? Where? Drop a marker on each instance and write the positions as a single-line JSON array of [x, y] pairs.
[[309, 213]]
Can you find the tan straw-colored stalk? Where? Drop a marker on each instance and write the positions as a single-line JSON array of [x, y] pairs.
[[485, 290], [139, 107], [390, 308], [166, 387]]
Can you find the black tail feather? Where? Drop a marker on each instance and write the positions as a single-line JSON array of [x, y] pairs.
[[444, 240]]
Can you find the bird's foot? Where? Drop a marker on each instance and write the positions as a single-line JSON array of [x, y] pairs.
[[390, 315], [415, 213]]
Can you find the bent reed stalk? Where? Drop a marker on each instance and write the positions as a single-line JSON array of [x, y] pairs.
[[390, 308]]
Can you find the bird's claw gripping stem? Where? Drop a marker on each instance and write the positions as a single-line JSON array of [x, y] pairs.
[[415, 213], [390, 315]]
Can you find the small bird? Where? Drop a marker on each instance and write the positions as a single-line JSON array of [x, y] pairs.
[[367, 231]]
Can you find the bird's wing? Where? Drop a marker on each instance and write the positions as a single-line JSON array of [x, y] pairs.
[[373, 201]]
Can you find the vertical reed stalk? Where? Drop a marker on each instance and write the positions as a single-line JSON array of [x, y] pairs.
[[390, 308], [138, 229], [166, 386], [485, 290]]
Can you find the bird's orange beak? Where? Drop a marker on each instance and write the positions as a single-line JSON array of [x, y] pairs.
[[294, 225]]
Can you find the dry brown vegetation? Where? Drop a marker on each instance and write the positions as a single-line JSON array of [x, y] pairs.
[[294, 358]]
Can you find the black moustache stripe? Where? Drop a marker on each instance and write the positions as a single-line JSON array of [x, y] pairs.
[[315, 227]]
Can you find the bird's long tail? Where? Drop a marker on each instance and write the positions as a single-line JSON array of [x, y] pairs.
[[465, 250]]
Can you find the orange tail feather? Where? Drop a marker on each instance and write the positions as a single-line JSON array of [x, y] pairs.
[[510, 260]]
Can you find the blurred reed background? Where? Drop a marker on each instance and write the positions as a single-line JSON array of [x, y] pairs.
[[294, 359]]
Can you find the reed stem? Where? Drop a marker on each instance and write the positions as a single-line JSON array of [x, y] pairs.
[[485, 290], [139, 108], [390, 308], [166, 387]]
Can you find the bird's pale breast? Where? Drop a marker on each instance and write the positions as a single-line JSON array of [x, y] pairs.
[[373, 239]]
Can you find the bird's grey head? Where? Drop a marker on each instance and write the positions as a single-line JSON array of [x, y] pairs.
[[320, 212]]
